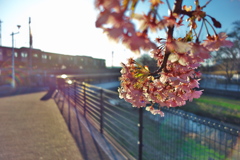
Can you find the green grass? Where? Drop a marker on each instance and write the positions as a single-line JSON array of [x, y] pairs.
[[220, 101], [200, 151], [221, 108], [172, 143]]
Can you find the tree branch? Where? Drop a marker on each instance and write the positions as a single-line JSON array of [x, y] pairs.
[[177, 9]]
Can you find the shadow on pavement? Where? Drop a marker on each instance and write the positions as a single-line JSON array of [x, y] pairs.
[[8, 91], [86, 136], [48, 95]]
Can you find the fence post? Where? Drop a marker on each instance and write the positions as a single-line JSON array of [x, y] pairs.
[[69, 104], [140, 133], [101, 110], [84, 99], [66, 90], [75, 93], [67, 86]]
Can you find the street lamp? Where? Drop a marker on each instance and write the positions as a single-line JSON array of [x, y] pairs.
[[13, 60]]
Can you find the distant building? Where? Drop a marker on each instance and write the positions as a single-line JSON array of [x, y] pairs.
[[26, 58]]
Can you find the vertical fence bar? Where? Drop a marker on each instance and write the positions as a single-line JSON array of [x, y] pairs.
[[101, 111], [63, 87], [75, 93], [68, 100], [68, 92], [225, 142], [140, 133], [84, 99]]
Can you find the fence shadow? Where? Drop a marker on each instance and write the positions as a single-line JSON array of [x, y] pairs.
[[48, 95], [6, 92], [91, 144]]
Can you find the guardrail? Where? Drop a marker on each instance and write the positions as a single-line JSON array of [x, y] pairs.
[[220, 84], [140, 135]]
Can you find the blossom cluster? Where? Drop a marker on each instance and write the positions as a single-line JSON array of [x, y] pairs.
[[177, 79]]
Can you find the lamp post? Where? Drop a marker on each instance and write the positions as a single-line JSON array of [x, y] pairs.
[[13, 60]]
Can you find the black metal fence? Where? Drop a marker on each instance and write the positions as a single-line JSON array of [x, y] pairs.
[[220, 83], [140, 135]]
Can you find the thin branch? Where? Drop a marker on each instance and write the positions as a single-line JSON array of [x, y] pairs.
[[199, 32], [211, 26], [176, 9], [206, 4], [161, 22], [169, 7], [206, 26], [189, 13]]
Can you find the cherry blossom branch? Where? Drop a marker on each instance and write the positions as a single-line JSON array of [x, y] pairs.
[[169, 7], [161, 22], [187, 13], [197, 40], [177, 10], [206, 27], [211, 26], [176, 79]]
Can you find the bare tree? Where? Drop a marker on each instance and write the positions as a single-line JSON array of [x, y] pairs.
[[228, 59], [146, 60]]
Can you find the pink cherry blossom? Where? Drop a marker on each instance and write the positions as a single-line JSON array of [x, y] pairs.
[[178, 46], [195, 94], [168, 21], [107, 4], [143, 42], [200, 51], [176, 80], [213, 43]]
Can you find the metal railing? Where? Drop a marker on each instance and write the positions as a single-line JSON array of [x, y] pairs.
[[140, 135], [220, 84]]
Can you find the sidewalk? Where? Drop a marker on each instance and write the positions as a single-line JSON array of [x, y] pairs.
[[32, 129]]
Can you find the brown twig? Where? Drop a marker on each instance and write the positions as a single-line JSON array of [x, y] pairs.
[[177, 9]]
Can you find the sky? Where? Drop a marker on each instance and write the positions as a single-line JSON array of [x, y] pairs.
[[68, 26]]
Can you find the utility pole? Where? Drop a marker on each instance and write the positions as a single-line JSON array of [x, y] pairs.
[[30, 52], [0, 32], [30, 45], [13, 60]]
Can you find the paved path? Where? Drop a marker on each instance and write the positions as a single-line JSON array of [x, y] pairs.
[[31, 129]]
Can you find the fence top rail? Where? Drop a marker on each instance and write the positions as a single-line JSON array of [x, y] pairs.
[[72, 76], [206, 121], [89, 86], [109, 91], [99, 88], [96, 87]]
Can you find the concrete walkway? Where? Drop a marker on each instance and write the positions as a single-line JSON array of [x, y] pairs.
[[31, 129]]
